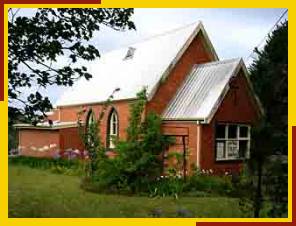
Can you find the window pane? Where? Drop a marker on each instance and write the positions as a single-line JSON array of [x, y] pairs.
[[232, 149], [220, 131], [243, 148], [90, 118], [232, 131], [220, 148], [243, 131], [114, 129], [110, 127]]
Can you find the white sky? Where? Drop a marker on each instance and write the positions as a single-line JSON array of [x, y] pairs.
[[233, 32]]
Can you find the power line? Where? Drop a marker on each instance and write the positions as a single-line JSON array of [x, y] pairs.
[[269, 31]]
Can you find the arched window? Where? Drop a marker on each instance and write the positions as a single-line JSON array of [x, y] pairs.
[[112, 129], [90, 119]]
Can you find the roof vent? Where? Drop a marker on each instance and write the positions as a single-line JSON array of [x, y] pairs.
[[130, 53]]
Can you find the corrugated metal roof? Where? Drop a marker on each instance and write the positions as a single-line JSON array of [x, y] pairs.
[[201, 91], [150, 61]]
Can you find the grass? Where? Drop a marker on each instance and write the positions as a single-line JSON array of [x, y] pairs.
[[40, 193]]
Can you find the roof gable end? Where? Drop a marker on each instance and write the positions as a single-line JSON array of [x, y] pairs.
[[202, 92]]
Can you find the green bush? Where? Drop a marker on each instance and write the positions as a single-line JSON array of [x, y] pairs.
[[166, 186], [220, 185], [138, 158], [196, 185], [59, 166]]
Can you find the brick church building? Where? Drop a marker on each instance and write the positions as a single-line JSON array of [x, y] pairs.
[[207, 104]]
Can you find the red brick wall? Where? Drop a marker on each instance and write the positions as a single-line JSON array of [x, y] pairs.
[[70, 139], [235, 108], [47, 143], [195, 54], [39, 143], [188, 129], [69, 113], [54, 116], [121, 107]]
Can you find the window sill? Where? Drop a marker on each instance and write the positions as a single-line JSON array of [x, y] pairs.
[[230, 160]]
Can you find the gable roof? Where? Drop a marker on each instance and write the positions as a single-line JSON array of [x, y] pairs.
[[203, 90], [152, 60]]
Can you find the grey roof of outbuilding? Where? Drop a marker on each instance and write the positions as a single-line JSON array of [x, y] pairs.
[[202, 91]]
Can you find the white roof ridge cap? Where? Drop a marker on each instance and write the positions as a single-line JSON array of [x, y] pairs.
[[149, 37]]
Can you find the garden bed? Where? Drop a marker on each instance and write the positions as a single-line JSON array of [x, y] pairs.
[[41, 193]]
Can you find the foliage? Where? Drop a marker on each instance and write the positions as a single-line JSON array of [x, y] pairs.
[[269, 75], [277, 176], [37, 43], [138, 159], [244, 188], [39, 193], [167, 186], [269, 204], [12, 132], [199, 181], [59, 166], [12, 138], [198, 184], [177, 162], [90, 134]]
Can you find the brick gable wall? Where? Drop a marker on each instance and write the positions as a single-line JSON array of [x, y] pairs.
[[195, 54], [238, 106]]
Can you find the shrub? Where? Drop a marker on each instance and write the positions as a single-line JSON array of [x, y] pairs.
[[212, 184], [138, 160], [197, 185], [59, 166], [166, 186]]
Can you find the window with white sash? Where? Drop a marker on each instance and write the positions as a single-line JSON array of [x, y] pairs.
[[112, 129], [90, 120], [232, 141]]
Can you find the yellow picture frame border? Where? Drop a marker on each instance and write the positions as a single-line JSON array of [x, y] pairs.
[[4, 220]]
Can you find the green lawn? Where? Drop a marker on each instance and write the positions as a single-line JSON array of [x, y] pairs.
[[39, 193]]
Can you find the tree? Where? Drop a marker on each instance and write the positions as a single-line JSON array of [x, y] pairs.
[[269, 75], [138, 160], [36, 43]]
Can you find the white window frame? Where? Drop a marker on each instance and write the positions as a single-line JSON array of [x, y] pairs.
[[237, 139], [113, 129], [90, 121]]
